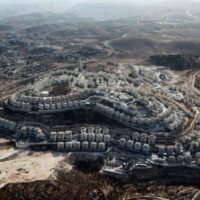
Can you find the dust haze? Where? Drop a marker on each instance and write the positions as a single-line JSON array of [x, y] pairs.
[[98, 9], [93, 89]]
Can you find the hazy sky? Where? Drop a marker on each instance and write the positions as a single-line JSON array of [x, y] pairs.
[[27, 1], [31, 1], [77, 1], [46, 1]]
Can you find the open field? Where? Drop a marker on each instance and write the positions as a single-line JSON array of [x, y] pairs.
[[28, 166]]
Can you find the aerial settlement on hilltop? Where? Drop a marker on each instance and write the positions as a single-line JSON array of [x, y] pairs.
[[141, 119]]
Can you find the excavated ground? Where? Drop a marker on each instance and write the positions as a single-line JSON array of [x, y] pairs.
[[77, 185], [49, 176]]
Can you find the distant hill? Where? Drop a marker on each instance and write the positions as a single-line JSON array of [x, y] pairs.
[[162, 10], [29, 7], [176, 62], [106, 11]]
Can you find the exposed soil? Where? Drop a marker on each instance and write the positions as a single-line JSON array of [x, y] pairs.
[[28, 166], [90, 186], [145, 47], [61, 89]]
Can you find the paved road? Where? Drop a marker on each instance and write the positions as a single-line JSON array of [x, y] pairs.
[[188, 13], [194, 76]]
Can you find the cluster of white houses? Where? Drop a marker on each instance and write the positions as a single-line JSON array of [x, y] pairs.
[[139, 104], [33, 133], [95, 134], [76, 79], [170, 119], [105, 106], [110, 94], [140, 143], [98, 139], [90, 134], [81, 146], [44, 104], [182, 159], [135, 146], [189, 98], [194, 100], [91, 139], [178, 88], [7, 124], [60, 136], [178, 154], [86, 139]]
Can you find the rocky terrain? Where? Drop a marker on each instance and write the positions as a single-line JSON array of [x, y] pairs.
[[176, 62], [89, 186], [38, 39]]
